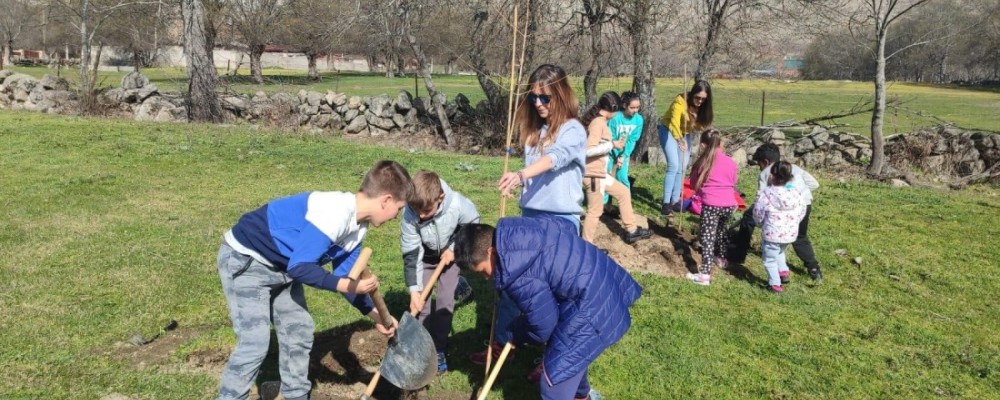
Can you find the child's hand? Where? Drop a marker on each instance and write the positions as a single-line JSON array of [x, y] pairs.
[[447, 257], [388, 332], [366, 285], [508, 182], [416, 302]]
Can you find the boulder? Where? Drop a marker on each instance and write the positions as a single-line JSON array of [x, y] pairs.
[[325, 109], [146, 92], [820, 138], [303, 96], [399, 120], [4, 73], [381, 106], [804, 145], [259, 97], [321, 121], [112, 96], [376, 131], [150, 109], [404, 101], [134, 80], [59, 96], [356, 125], [130, 95], [314, 99], [235, 104], [379, 122], [898, 183], [740, 156], [20, 95], [54, 83], [336, 123], [335, 99], [351, 114], [354, 103], [308, 109]]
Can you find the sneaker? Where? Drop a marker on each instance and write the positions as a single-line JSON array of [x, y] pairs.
[[666, 209], [463, 290], [479, 358], [700, 279], [536, 374], [816, 274], [593, 395], [784, 277], [637, 235], [776, 288], [442, 363]]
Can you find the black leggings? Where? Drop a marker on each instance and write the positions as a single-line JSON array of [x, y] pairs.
[[714, 240]]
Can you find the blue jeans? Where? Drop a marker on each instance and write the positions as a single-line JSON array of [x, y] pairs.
[[774, 261], [677, 161], [507, 310]]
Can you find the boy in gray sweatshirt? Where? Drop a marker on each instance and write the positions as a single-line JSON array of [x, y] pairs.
[[431, 217]]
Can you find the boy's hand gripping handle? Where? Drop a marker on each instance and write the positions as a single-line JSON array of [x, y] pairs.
[[360, 271]]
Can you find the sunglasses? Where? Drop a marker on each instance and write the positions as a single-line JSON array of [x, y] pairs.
[[702, 98], [544, 98]]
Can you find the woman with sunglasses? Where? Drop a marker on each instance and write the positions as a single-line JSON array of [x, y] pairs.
[[690, 112]]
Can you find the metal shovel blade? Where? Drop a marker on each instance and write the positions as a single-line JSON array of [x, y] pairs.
[[410, 362]]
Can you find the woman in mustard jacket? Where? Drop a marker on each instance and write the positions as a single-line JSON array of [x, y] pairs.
[[690, 112]]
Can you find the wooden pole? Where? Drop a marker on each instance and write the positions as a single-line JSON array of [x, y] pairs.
[[763, 100]]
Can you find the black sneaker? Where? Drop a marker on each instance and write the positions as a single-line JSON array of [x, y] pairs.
[[816, 274], [666, 209], [637, 235]]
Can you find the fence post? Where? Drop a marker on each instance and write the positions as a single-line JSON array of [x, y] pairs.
[[416, 85], [763, 100]]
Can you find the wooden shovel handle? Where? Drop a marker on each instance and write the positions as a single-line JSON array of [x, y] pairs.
[[360, 271], [361, 264], [496, 370]]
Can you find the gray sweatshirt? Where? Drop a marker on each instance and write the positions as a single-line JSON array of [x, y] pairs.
[[424, 241], [558, 190]]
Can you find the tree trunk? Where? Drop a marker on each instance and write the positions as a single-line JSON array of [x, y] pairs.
[[85, 83], [495, 96], [437, 99], [256, 73], [644, 82], [710, 46], [313, 72], [3, 56], [136, 60], [878, 151], [202, 101], [590, 78]]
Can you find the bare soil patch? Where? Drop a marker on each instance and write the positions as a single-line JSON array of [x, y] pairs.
[[669, 252]]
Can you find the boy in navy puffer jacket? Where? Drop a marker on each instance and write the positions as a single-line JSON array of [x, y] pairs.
[[573, 296]]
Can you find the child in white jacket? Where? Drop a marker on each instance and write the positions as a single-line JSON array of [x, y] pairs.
[[779, 209]]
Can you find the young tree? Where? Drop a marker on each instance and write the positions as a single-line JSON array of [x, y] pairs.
[[202, 101], [879, 16]]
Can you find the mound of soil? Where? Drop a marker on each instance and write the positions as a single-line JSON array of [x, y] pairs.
[[669, 252]]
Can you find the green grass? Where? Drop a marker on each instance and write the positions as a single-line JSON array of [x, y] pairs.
[[112, 227], [737, 102]]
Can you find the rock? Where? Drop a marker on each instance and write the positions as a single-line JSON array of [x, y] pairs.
[[379, 122], [303, 119], [146, 92], [404, 101], [816, 130], [130, 96], [285, 100], [341, 109], [36, 94], [948, 131], [59, 96], [321, 121], [376, 131], [308, 109], [336, 123], [463, 104], [776, 135], [20, 95], [858, 261], [933, 163], [150, 109], [112, 96], [303, 96], [351, 114], [4, 73], [354, 103], [820, 138], [336, 99], [399, 120], [451, 109], [381, 106], [164, 115], [899, 183], [134, 80], [804, 145], [314, 99], [840, 252], [740, 156], [259, 97], [356, 125], [234, 103], [54, 83]]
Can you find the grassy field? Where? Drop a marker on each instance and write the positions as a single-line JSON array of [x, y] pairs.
[[112, 227], [737, 102]]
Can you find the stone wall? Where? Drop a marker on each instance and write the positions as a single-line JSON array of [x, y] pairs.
[[49, 95]]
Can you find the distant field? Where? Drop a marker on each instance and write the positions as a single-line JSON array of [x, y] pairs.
[[738, 102]]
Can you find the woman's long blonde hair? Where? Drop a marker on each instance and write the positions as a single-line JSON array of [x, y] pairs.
[[563, 107], [711, 138]]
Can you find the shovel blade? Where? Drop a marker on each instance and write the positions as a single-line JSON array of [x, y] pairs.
[[410, 362]]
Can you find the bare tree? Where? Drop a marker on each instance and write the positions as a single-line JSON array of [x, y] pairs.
[[255, 20], [17, 16], [879, 16], [139, 31], [309, 27], [721, 21], [202, 101], [596, 14], [408, 11]]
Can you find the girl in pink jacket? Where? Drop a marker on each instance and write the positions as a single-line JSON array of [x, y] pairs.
[[779, 209], [713, 178]]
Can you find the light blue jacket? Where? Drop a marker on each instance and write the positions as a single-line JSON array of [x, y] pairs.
[[559, 189]]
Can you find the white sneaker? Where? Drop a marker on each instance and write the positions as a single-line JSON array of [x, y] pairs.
[[700, 279]]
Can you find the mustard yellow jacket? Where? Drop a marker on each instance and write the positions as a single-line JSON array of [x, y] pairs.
[[677, 119]]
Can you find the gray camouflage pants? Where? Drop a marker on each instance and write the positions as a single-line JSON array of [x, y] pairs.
[[258, 296]]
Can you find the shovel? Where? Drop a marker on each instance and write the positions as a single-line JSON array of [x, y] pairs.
[[410, 361]]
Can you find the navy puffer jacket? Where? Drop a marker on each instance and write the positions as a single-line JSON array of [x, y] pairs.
[[573, 296]]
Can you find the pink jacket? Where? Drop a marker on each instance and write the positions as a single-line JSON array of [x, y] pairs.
[[778, 210], [718, 188]]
